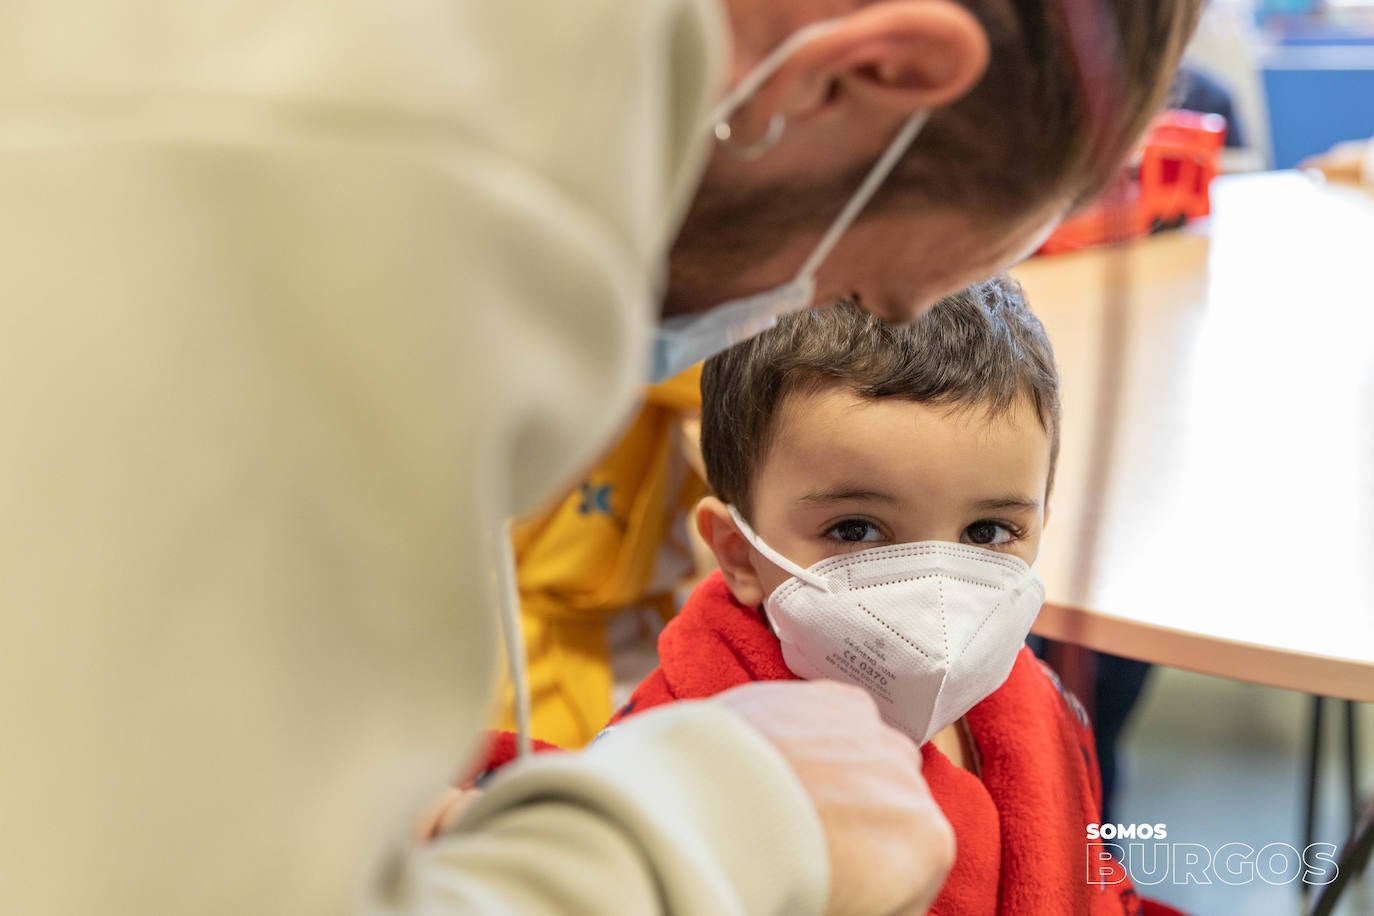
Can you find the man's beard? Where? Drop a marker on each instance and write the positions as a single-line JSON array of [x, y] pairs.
[[728, 234]]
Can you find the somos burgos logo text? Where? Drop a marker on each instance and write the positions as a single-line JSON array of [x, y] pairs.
[[1162, 860]]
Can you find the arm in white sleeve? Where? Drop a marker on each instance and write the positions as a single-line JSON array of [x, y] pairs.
[[296, 301], [679, 811]]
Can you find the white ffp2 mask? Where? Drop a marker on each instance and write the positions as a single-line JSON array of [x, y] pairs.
[[929, 629]]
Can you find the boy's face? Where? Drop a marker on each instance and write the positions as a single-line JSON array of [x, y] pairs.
[[846, 473]]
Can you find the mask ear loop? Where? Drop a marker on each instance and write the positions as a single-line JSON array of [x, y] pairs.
[[805, 280], [719, 118], [778, 559], [905, 136], [719, 123]]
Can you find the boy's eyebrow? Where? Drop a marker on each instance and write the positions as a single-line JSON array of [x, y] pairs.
[[837, 493], [1007, 502]]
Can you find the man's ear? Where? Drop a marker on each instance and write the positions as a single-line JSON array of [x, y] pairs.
[[902, 55], [732, 550]]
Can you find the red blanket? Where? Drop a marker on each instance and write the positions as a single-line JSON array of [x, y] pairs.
[[1020, 828]]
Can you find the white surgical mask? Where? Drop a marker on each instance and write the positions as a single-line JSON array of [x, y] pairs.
[[929, 629], [683, 340]]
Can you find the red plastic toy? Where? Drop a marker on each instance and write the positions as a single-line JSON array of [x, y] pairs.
[[1167, 187]]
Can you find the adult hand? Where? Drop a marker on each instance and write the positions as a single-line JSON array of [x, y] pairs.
[[890, 847]]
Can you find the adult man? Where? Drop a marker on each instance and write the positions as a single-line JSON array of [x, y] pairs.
[[303, 299]]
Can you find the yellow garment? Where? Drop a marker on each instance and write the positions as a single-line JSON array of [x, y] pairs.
[[598, 552]]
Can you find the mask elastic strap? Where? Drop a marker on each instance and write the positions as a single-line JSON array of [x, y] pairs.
[[778, 559], [751, 84], [875, 177], [764, 70]]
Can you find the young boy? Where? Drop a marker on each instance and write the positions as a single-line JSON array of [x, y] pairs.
[[880, 496]]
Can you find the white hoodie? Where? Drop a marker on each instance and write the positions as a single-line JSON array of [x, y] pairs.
[[299, 300]]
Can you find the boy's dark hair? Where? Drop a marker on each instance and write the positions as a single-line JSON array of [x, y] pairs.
[[980, 347]]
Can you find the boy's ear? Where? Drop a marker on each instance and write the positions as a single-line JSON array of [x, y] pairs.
[[732, 550], [902, 55]]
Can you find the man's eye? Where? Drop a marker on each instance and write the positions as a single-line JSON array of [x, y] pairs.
[[854, 530], [988, 534]]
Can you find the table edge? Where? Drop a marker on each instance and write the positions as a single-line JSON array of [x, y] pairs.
[[1206, 654]]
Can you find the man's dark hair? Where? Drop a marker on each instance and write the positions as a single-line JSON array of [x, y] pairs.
[[980, 348], [1069, 89], [1054, 115]]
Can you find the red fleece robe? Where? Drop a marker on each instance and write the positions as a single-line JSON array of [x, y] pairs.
[[1020, 829]]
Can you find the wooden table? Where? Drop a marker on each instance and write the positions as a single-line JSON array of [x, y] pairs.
[[1230, 530]]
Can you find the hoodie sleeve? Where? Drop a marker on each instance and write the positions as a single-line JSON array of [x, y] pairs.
[[684, 811], [298, 297]]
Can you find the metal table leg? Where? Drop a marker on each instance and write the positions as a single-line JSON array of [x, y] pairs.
[[1314, 757], [1352, 763], [1354, 859]]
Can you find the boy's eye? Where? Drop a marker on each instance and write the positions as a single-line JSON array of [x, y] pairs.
[[854, 530], [988, 534]]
